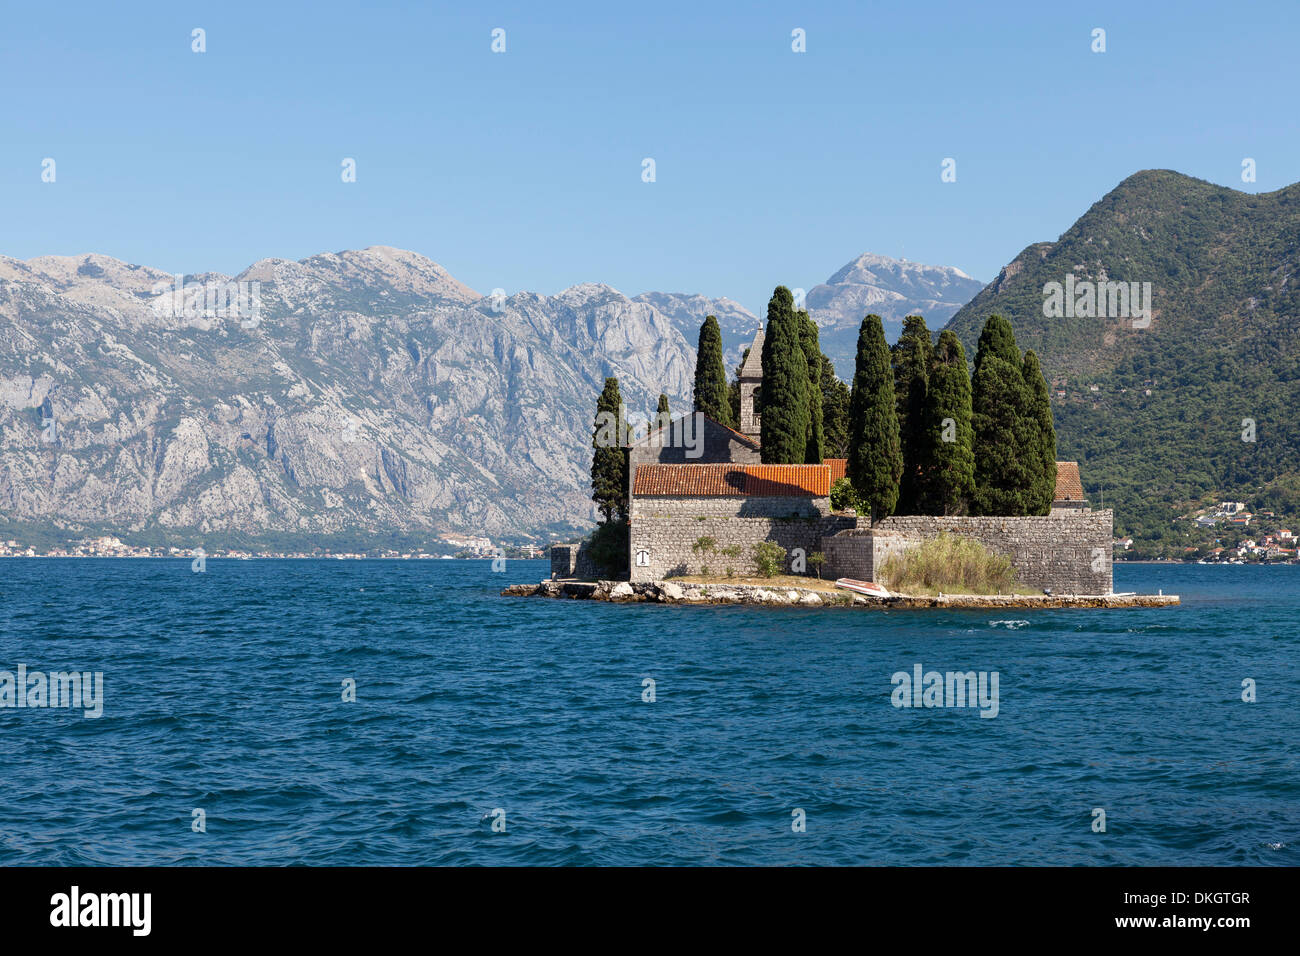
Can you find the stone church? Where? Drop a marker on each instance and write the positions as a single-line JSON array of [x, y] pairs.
[[700, 499]]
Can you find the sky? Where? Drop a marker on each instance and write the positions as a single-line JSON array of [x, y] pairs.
[[524, 169]]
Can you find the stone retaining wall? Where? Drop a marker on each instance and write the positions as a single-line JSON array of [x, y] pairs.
[[1067, 551], [664, 531], [572, 561], [859, 553]]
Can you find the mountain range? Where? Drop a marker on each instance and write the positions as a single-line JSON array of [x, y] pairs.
[[374, 401], [891, 288]]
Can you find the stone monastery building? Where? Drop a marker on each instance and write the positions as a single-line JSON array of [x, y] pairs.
[[701, 498]]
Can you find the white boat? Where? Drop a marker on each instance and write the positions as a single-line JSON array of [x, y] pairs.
[[869, 588]]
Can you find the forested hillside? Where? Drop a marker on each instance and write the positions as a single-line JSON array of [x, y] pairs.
[[1160, 414]]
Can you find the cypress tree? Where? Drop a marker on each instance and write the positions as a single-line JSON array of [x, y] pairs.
[[835, 411], [948, 477], [1041, 438], [663, 415], [911, 357], [609, 440], [786, 415], [711, 375], [997, 338], [999, 405], [814, 450], [875, 458]]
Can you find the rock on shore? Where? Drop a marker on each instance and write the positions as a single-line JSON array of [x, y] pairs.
[[681, 592]]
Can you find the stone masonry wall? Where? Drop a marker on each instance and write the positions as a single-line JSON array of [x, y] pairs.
[[572, 561], [1057, 551], [858, 553], [666, 529], [1067, 551]]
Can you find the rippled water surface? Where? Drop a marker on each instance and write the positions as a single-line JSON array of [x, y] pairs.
[[223, 691]]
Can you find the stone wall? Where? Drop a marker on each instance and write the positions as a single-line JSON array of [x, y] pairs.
[[858, 553], [666, 530], [1058, 551], [572, 561]]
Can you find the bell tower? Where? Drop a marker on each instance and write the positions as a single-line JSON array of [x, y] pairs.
[[751, 379]]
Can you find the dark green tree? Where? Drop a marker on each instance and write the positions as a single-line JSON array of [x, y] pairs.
[[786, 415], [875, 459], [1041, 438], [911, 357], [948, 472], [662, 411], [609, 440], [814, 450], [835, 411], [711, 375], [998, 339], [999, 405]]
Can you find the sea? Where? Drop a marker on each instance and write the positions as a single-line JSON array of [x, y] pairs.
[[388, 712]]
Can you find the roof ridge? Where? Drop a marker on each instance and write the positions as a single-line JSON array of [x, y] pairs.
[[753, 443]]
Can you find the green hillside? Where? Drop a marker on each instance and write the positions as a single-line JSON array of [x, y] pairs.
[[1162, 433]]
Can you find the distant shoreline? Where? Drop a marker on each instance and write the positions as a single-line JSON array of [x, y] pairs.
[[261, 557]]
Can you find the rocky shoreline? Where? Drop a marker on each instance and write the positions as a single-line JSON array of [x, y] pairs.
[[674, 592]]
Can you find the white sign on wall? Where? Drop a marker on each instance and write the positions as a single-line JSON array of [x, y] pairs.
[[643, 558]]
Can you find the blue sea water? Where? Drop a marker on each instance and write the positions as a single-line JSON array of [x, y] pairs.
[[224, 692]]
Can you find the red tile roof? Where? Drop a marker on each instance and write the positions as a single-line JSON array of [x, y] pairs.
[[732, 481], [1068, 485], [839, 468]]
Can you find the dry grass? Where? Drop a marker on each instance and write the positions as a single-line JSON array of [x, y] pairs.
[[951, 565]]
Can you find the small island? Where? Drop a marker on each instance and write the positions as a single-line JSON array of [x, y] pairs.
[[939, 483]]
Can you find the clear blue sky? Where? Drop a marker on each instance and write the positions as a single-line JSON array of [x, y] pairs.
[[522, 170]]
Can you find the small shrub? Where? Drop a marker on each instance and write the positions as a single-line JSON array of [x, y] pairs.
[[844, 497], [817, 559], [704, 570], [769, 559], [703, 545], [731, 572], [608, 548], [949, 563], [731, 552]]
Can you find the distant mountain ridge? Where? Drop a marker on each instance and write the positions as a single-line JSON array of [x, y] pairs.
[[890, 288], [376, 398], [687, 311]]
